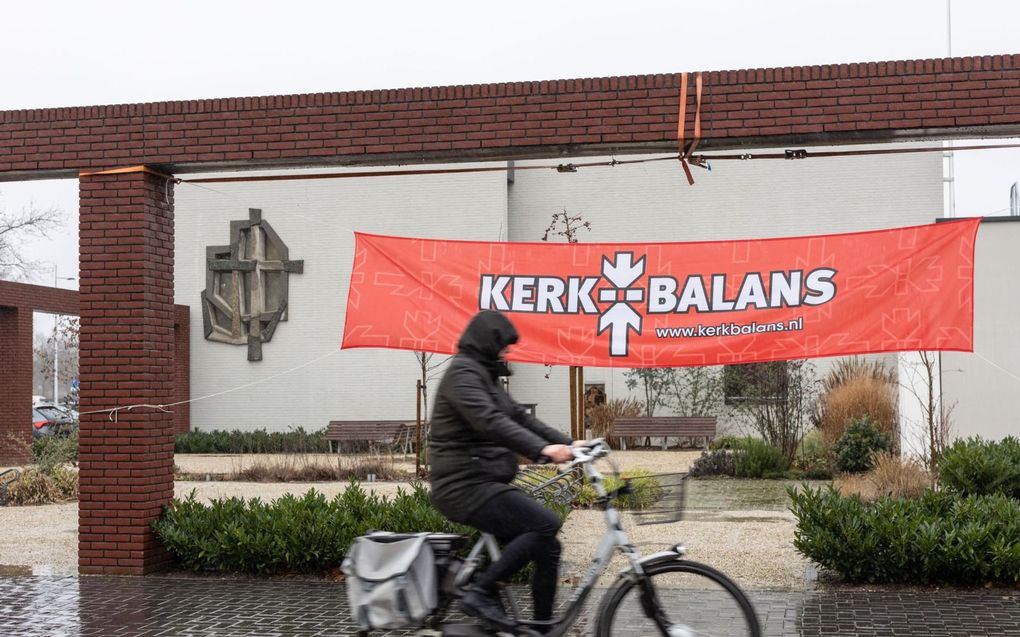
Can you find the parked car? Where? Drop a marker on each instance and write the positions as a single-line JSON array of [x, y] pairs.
[[51, 420]]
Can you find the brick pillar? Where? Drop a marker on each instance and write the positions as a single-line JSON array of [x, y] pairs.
[[127, 358], [15, 386], [182, 368]]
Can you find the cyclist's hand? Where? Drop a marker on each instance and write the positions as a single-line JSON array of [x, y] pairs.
[[558, 453]]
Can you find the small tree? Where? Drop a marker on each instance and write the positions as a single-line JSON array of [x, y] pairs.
[[567, 226], [428, 365], [775, 400], [696, 391], [655, 384], [924, 384]]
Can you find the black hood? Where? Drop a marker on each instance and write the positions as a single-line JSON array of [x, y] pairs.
[[486, 336]]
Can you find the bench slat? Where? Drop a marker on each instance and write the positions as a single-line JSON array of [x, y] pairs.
[[665, 427]]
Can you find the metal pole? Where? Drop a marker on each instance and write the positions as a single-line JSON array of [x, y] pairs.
[[417, 434], [581, 405], [950, 176], [56, 346], [573, 402]]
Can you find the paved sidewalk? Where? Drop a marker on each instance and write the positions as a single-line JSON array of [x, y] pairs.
[[168, 605]]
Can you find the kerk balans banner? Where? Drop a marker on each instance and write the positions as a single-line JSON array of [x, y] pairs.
[[673, 304]]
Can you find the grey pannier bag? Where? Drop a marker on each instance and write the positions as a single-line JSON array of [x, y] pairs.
[[391, 580]]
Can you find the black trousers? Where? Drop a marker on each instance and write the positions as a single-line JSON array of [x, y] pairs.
[[527, 530]]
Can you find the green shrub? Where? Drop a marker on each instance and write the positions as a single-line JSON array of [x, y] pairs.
[[256, 441], [853, 452], [759, 459], [291, 534], [813, 460], [979, 467], [55, 451], [938, 538], [35, 486], [714, 463], [731, 442], [644, 485]]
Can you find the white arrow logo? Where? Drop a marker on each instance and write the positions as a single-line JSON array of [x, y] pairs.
[[623, 272], [620, 319]]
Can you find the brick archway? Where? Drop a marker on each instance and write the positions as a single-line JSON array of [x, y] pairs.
[[127, 218]]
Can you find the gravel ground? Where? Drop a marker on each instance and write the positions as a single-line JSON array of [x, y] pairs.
[[755, 547]]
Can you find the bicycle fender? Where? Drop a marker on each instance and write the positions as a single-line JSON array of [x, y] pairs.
[[672, 555]]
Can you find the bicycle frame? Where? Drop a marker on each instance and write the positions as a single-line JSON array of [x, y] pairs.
[[615, 538]]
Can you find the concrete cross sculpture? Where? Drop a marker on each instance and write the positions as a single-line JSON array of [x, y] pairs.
[[247, 285]]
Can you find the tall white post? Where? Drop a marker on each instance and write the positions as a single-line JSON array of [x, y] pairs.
[[56, 346]]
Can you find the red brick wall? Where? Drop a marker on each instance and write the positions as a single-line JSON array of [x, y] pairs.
[[15, 385], [38, 297], [883, 101], [17, 301], [127, 356], [182, 368]]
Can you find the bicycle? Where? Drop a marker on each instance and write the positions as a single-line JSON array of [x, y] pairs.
[[634, 604]]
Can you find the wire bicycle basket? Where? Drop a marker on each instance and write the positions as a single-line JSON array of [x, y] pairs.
[[560, 488], [656, 498]]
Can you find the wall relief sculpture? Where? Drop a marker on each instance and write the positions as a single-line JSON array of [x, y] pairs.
[[246, 285]]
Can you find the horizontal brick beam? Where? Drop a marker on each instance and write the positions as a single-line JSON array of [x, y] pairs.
[[38, 297], [810, 105]]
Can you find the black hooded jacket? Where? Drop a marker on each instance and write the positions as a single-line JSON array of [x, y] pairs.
[[477, 429]]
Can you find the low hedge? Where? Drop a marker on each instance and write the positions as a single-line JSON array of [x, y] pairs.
[[256, 441], [981, 467], [938, 538], [291, 534], [307, 534]]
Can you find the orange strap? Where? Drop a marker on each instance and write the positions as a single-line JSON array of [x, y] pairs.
[[124, 171], [682, 124], [685, 152]]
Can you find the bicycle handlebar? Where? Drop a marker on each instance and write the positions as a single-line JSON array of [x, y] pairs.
[[583, 455]]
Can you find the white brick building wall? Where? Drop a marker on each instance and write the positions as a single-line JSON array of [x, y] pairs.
[[642, 202], [315, 219]]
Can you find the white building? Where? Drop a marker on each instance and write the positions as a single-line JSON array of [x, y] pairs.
[[310, 382]]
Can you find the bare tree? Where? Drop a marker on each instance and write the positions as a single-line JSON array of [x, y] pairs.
[[567, 226], [655, 383], [775, 400], [66, 338], [428, 364], [697, 391], [924, 384], [15, 228]]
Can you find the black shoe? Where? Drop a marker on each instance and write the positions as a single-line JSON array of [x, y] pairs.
[[486, 606]]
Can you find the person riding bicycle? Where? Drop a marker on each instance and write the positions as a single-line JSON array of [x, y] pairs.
[[478, 431]]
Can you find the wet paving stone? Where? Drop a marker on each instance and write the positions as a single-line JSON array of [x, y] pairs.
[[170, 606]]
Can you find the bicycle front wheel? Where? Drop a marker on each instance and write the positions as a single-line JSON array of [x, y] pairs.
[[694, 600]]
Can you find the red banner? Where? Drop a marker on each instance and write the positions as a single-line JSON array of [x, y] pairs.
[[673, 304]]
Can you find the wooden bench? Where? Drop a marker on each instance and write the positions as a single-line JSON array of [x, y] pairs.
[[701, 428], [393, 433]]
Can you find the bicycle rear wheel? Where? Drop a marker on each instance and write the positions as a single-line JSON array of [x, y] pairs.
[[695, 600]]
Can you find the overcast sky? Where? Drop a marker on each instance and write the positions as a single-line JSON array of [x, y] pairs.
[[74, 53]]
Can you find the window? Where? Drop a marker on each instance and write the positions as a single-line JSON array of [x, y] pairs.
[[758, 382]]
